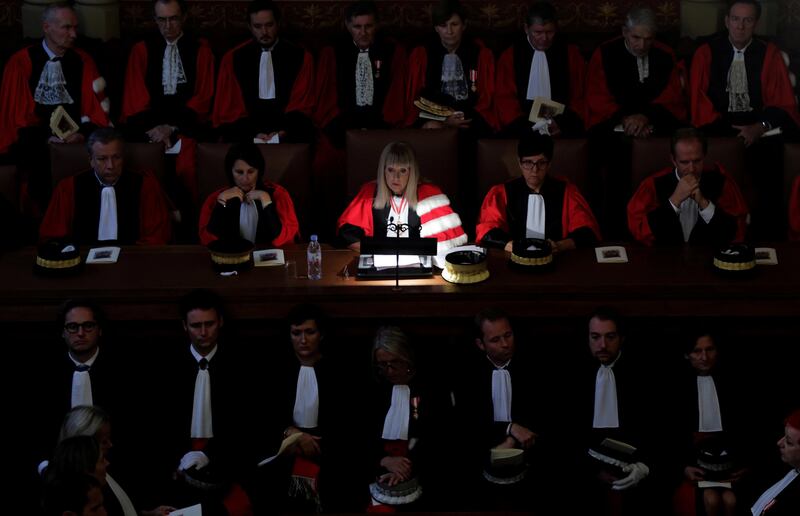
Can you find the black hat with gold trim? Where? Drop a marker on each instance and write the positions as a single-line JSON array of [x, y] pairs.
[[234, 254], [56, 258], [465, 267]]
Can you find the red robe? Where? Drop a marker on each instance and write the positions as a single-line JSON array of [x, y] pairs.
[[508, 98], [482, 99], [229, 104], [17, 107], [646, 205], [145, 224], [433, 208], [137, 99], [504, 212], [794, 211], [773, 82], [330, 99], [661, 91], [283, 206]]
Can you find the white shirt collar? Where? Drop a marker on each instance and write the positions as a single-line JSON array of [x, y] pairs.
[[498, 366], [741, 49], [197, 356], [103, 183], [47, 50], [89, 362], [175, 41]]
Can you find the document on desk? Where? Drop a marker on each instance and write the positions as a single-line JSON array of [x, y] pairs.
[[386, 261], [194, 510]]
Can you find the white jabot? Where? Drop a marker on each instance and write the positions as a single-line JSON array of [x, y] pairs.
[[107, 226], [81, 393], [201, 403], [365, 88], [501, 393], [709, 417], [248, 220], [534, 226], [266, 76], [172, 72], [454, 83], [122, 497], [52, 87], [738, 92], [770, 494], [306, 399], [395, 426], [539, 77], [606, 412]]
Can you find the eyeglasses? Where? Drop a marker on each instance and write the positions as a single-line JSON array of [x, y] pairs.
[[528, 164], [169, 20], [391, 364], [88, 326]]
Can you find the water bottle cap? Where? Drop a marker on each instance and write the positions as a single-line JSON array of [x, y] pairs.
[[313, 238]]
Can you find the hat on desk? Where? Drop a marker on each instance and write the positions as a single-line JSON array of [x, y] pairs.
[[531, 254], [505, 466], [56, 258], [232, 254], [736, 259], [465, 267]]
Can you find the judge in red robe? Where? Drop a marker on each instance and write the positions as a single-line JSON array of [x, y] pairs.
[[348, 99], [794, 211], [536, 205], [169, 84], [36, 81], [251, 208], [740, 87], [398, 196], [558, 74], [688, 203], [453, 71], [107, 203], [265, 86]]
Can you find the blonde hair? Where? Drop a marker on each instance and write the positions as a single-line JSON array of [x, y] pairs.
[[397, 153]]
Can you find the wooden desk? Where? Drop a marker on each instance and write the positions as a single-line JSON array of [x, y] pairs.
[[147, 281]]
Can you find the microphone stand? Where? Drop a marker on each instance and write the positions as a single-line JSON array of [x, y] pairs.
[[397, 228]]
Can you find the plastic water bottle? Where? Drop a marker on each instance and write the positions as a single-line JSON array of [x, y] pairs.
[[314, 256]]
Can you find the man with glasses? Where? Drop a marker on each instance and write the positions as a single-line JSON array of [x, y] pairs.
[[688, 202], [536, 205], [169, 84], [740, 87], [84, 375], [107, 203]]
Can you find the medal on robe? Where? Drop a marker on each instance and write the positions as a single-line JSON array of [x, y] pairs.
[[473, 79], [377, 68], [415, 407]]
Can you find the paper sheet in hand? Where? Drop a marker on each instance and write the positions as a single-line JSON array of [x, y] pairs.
[[545, 109], [275, 139], [175, 149], [103, 255], [289, 441], [194, 510], [62, 124], [706, 483]]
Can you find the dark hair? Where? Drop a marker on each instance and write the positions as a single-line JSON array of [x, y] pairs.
[[70, 493], [263, 5], [533, 144], [541, 13], [181, 4], [693, 334], [360, 8], [688, 133], [74, 456], [250, 154], [606, 313], [69, 304], [200, 299], [445, 9], [754, 3], [307, 312], [490, 314], [104, 135]]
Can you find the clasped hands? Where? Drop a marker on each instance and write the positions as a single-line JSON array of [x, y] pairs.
[[235, 192], [688, 186]]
